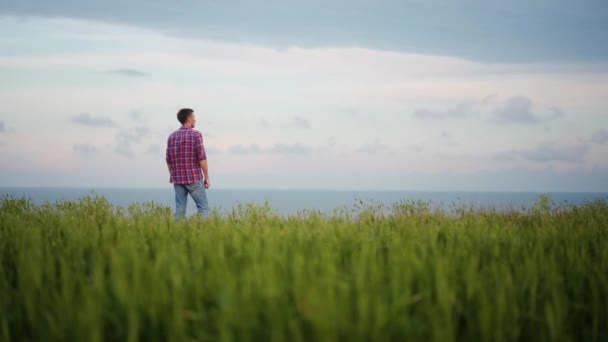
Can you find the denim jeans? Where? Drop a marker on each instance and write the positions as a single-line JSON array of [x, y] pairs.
[[198, 194]]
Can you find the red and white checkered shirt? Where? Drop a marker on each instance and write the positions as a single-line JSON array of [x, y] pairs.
[[184, 151]]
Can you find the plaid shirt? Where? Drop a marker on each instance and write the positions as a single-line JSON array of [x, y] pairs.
[[184, 151]]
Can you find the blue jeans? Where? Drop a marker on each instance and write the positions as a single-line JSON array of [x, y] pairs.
[[198, 194]]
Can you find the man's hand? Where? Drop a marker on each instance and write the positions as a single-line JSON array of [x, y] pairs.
[[207, 184]]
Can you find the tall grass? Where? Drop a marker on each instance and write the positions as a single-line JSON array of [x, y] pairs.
[[89, 271]]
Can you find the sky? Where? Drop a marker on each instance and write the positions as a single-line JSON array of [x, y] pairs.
[[348, 95]]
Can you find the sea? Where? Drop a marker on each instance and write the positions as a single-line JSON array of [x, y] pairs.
[[289, 202]]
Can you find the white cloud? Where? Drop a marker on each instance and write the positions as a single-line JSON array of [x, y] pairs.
[[155, 149], [600, 136], [86, 150], [375, 147], [129, 72], [460, 111], [87, 119], [229, 85], [127, 138], [297, 149], [299, 122], [549, 151], [4, 129], [518, 110]]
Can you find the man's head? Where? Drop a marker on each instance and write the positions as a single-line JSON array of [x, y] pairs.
[[186, 117]]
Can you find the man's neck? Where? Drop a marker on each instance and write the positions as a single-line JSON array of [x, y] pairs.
[[186, 126]]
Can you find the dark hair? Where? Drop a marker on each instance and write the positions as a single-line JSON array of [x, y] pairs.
[[183, 115]]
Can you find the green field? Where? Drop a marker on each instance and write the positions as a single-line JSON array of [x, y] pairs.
[[88, 271]]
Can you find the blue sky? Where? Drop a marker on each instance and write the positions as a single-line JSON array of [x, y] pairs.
[[391, 95]]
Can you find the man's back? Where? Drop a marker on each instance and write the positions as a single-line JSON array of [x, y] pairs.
[[186, 159], [185, 150]]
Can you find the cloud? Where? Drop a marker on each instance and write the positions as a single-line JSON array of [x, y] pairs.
[[518, 110], [299, 122], [126, 139], [349, 112], [489, 98], [447, 138], [141, 131], [135, 115], [154, 149], [86, 119], [244, 150], [129, 72], [506, 156], [557, 113], [331, 142], [397, 24], [264, 123], [134, 135], [546, 152], [423, 113], [600, 136], [374, 147], [294, 149], [4, 129], [86, 150], [417, 147], [212, 151], [124, 150], [460, 111], [287, 149]]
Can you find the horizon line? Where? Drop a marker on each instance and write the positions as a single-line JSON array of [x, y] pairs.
[[93, 188]]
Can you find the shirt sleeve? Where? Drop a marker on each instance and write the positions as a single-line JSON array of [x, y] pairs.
[[200, 147], [167, 153]]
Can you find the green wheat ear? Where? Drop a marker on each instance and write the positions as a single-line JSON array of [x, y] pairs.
[[86, 270]]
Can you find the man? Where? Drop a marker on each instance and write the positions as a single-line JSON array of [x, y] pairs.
[[185, 159]]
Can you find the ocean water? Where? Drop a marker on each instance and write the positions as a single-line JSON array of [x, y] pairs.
[[287, 202]]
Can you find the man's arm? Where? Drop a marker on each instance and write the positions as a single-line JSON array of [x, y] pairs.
[[203, 164], [202, 156], [168, 156]]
